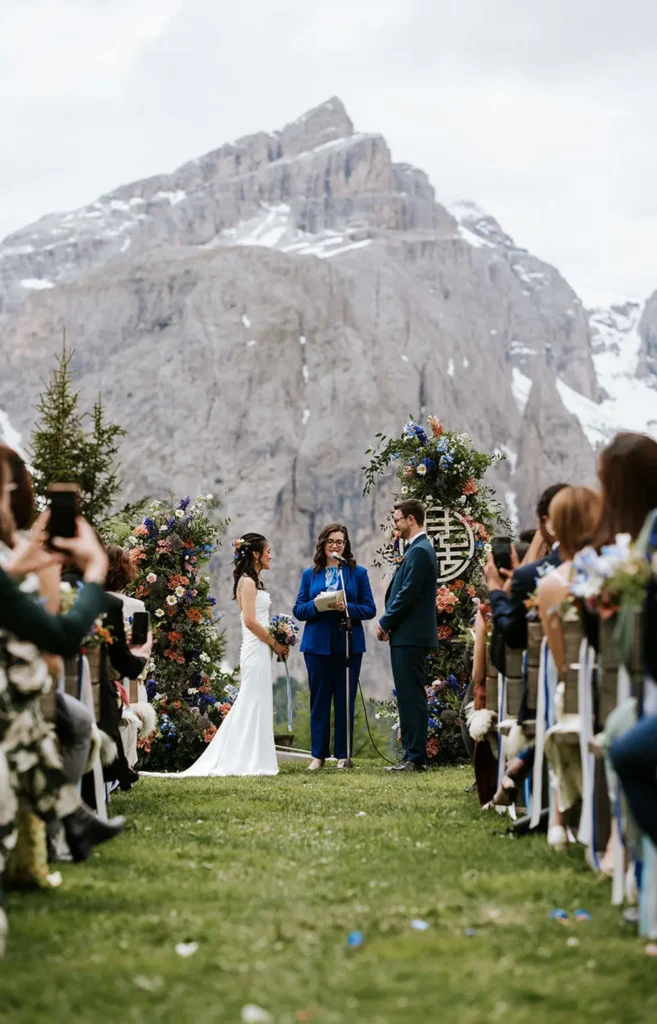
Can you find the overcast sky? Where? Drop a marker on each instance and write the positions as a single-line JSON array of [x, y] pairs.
[[542, 111]]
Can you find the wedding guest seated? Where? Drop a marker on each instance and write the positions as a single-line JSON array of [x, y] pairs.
[[509, 611]]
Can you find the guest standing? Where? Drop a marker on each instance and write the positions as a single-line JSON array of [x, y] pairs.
[[325, 637]]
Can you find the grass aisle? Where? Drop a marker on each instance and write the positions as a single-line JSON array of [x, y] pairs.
[[270, 876]]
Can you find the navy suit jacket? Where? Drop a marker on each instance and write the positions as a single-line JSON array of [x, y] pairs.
[[410, 616], [320, 626], [509, 611]]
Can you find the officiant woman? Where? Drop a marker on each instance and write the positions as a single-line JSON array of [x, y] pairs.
[[325, 638]]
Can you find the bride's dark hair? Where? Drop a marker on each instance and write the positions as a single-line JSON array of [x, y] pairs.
[[245, 548]]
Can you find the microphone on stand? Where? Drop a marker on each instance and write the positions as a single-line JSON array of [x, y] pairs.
[[340, 559]]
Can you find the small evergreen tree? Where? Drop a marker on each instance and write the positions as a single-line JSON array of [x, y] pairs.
[[62, 451]]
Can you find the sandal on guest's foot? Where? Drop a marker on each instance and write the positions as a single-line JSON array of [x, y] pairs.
[[506, 795], [316, 764]]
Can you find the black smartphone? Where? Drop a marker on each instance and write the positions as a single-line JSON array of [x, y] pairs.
[[502, 552], [141, 624], [64, 505]]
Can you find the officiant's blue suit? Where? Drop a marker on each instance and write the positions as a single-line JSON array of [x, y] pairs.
[[411, 621], [324, 646]]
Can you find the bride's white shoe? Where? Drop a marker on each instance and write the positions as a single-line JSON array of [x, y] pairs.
[[315, 764], [558, 838]]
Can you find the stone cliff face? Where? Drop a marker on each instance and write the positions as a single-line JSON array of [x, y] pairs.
[[254, 318], [647, 367]]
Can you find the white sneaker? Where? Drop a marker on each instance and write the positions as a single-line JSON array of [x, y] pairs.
[[315, 764]]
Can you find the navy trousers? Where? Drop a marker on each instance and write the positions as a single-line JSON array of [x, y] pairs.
[[327, 681], [634, 756], [409, 671]]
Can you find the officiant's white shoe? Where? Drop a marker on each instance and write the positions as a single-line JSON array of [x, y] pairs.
[[315, 764]]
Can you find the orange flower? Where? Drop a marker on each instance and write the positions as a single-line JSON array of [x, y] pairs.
[[470, 487], [444, 632], [137, 555], [141, 591], [456, 585], [194, 615], [210, 734], [177, 581], [224, 709], [482, 531], [140, 531], [432, 747], [470, 590], [176, 704], [175, 637], [446, 600], [188, 544], [435, 424]]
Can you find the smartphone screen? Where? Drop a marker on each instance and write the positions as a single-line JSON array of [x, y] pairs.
[[64, 505], [141, 624], [502, 552]]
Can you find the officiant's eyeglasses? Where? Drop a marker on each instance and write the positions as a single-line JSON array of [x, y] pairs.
[[335, 543]]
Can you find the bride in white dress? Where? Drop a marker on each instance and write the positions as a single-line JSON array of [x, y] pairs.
[[244, 745]]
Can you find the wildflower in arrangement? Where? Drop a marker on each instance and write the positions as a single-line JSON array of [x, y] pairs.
[[189, 543], [456, 585], [410, 471], [140, 531], [180, 591], [194, 615], [137, 555], [470, 590], [446, 600], [470, 487], [179, 513], [159, 613], [482, 531], [172, 599], [435, 424], [175, 637], [142, 591], [444, 632], [210, 734], [224, 709], [426, 466], [151, 578], [163, 547], [432, 748]]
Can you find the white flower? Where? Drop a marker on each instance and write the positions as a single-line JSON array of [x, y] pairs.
[[172, 599], [204, 656], [180, 591], [404, 489], [163, 529], [151, 666], [179, 513], [151, 578], [159, 613], [421, 470], [208, 497]]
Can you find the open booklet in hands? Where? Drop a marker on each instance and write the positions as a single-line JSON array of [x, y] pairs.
[[327, 600]]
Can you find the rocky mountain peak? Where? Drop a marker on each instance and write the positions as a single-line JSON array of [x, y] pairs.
[[325, 123]]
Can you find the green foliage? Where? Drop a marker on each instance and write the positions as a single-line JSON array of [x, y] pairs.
[[443, 470], [64, 451], [187, 685]]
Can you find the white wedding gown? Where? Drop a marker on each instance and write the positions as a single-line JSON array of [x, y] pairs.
[[244, 744]]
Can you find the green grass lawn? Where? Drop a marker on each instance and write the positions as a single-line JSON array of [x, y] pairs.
[[270, 876]]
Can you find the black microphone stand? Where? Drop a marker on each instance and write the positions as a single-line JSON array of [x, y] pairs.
[[347, 626]]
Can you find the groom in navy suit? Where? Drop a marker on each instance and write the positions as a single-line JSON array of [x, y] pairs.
[[410, 625]]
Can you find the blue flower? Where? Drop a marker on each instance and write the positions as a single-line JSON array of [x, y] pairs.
[[447, 460], [212, 601], [426, 466], [442, 446], [151, 688], [184, 503], [414, 430]]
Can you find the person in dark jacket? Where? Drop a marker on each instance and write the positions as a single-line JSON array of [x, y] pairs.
[[509, 611], [410, 625]]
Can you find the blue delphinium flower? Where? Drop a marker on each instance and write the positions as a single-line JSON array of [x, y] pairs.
[[415, 430], [426, 466], [447, 461], [151, 688], [184, 503]]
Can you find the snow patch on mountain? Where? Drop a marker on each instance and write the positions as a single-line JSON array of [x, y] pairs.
[[274, 228]]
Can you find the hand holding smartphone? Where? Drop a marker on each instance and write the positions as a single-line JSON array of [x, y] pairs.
[[64, 506], [141, 624], [502, 552]]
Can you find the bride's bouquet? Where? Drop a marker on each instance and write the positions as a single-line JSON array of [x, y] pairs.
[[285, 631]]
